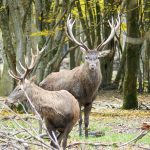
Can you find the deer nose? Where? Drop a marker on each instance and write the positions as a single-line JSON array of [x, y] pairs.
[[92, 67]]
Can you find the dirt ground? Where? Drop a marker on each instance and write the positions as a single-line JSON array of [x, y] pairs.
[[110, 125], [123, 125], [108, 113]]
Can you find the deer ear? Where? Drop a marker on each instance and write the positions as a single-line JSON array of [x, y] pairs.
[[104, 53]]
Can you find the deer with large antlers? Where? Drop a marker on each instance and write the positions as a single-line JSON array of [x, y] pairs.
[[83, 81], [59, 109]]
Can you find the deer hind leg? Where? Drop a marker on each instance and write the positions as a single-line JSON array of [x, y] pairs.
[[65, 135], [51, 130], [87, 110], [80, 122]]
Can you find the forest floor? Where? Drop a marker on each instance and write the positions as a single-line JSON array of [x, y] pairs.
[[110, 127]]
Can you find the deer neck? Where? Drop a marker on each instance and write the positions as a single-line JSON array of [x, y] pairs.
[[32, 91], [90, 80]]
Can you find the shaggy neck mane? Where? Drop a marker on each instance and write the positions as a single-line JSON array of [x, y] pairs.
[[90, 79]]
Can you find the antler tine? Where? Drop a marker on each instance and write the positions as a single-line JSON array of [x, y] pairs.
[[22, 66], [112, 33], [18, 71], [70, 35], [35, 57], [41, 51], [32, 63], [26, 61], [70, 24], [13, 75], [98, 47], [37, 50], [84, 44], [27, 68]]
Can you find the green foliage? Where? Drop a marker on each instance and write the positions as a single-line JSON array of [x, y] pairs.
[[84, 8]]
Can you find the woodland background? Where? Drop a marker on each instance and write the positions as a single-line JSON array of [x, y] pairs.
[[26, 23]]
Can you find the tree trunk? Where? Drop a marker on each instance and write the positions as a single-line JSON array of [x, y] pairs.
[[107, 62], [72, 57], [8, 53], [5, 85], [120, 70], [132, 57], [147, 43]]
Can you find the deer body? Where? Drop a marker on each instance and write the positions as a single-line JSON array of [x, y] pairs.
[[59, 109], [80, 82], [83, 81]]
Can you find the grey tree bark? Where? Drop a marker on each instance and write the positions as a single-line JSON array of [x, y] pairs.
[[130, 100]]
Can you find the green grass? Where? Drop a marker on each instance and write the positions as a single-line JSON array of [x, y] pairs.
[[108, 126], [116, 129]]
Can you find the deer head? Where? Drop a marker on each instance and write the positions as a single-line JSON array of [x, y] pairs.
[[92, 55], [18, 93]]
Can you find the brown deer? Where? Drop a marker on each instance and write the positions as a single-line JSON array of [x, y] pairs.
[[59, 109], [83, 81]]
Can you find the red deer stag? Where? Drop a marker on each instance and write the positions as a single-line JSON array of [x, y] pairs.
[[59, 109], [83, 81]]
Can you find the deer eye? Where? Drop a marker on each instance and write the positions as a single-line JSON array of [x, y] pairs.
[[86, 57], [19, 90], [98, 56]]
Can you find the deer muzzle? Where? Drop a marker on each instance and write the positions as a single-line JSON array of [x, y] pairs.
[[92, 67]]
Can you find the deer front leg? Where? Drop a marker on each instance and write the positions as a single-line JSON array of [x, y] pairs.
[[87, 110], [80, 123]]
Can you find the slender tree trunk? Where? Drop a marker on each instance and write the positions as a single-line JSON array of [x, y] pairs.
[[120, 70], [72, 57], [8, 53], [132, 57], [107, 62], [15, 15], [72, 53], [147, 43]]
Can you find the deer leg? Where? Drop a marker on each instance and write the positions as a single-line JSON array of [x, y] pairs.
[[60, 138], [51, 129], [87, 110], [65, 136], [80, 123], [54, 144]]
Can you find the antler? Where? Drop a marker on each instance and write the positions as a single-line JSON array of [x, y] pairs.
[[112, 34], [70, 35], [28, 68]]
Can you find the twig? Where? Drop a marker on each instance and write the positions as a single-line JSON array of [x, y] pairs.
[[141, 135], [147, 108], [31, 127], [37, 137], [146, 148], [22, 141], [90, 143]]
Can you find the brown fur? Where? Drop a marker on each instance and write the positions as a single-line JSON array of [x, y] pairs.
[[59, 109], [81, 82]]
